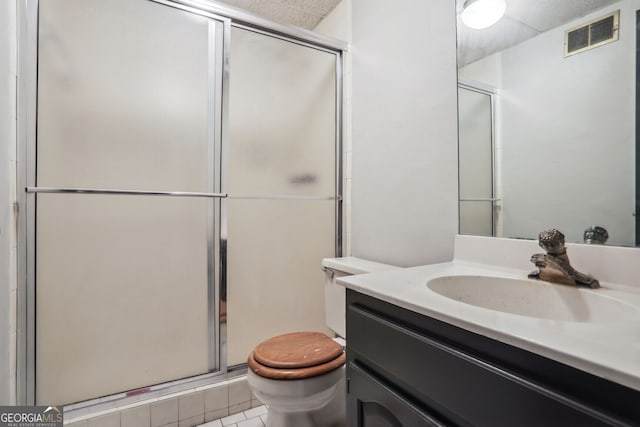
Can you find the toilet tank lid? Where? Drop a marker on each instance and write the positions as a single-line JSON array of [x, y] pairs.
[[353, 265]]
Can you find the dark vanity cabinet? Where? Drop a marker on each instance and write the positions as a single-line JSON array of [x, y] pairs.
[[407, 369]]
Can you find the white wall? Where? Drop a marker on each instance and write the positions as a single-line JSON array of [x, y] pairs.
[[404, 191], [337, 23], [7, 197], [567, 143], [488, 71]]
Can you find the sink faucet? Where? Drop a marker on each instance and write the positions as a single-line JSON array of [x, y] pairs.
[[554, 266], [596, 235]]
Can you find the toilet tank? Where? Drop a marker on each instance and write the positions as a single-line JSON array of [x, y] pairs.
[[334, 294]]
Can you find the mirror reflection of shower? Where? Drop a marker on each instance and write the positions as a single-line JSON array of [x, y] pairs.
[[564, 139], [478, 204]]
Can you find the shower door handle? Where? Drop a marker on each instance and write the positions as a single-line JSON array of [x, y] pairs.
[[68, 190]]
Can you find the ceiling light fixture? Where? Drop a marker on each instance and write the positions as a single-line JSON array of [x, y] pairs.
[[479, 14]]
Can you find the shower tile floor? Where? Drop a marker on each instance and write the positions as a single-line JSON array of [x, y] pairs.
[[254, 417]]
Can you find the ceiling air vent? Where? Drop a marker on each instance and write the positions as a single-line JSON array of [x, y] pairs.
[[592, 34]]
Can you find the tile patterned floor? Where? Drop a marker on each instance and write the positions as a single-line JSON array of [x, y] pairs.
[[254, 417]]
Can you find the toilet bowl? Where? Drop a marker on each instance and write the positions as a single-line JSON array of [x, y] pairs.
[[296, 375], [300, 376]]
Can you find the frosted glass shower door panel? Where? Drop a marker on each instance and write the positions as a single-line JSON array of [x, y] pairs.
[[475, 143], [476, 218], [124, 284], [282, 185], [276, 286], [121, 293], [122, 96], [282, 122]]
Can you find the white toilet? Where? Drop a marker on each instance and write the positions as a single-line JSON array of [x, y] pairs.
[[300, 376]]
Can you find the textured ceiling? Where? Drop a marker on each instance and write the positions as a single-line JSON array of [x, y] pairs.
[[523, 19], [302, 13]]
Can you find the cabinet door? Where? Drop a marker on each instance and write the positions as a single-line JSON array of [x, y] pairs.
[[370, 403], [468, 390]]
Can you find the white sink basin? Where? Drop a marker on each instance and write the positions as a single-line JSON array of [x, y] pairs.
[[535, 298]]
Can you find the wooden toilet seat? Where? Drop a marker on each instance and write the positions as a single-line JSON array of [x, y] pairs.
[[296, 355]]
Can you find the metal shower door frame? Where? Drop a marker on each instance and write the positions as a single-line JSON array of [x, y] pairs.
[[27, 180], [218, 106], [495, 197]]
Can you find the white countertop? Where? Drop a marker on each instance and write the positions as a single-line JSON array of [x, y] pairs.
[[610, 350]]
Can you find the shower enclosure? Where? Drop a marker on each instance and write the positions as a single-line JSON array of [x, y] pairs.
[[477, 200], [181, 184]]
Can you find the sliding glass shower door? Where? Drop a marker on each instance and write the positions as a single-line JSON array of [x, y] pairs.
[[183, 187], [125, 194], [475, 148], [281, 210]]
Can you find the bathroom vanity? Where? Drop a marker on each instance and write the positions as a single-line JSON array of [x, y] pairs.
[[417, 355], [407, 369]]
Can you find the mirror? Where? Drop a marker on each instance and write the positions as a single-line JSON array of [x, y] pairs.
[[548, 140]]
